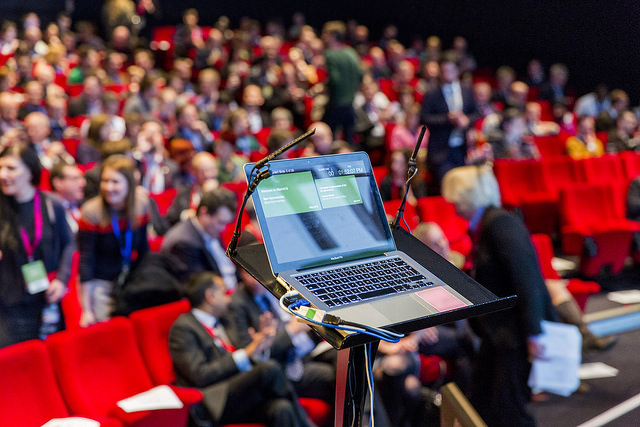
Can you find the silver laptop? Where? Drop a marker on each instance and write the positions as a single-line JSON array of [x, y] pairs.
[[327, 236]]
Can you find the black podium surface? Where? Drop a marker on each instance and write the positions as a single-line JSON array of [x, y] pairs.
[[253, 258]]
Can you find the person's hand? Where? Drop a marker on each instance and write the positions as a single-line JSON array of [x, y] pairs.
[[535, 348], [55, 291], [87, 318], [295, 327], [429, 335]]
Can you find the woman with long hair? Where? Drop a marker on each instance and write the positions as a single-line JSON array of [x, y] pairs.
[[36, 248], [112, 237]]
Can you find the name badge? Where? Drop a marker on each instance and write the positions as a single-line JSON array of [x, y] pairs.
[[35, 276]]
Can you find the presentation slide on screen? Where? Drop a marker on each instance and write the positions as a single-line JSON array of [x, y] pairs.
[[296, 193]]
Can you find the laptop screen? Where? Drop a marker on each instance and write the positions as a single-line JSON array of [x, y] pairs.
[[323, 210]]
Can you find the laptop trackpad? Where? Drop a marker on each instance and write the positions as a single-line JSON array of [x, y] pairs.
[[384, 312]]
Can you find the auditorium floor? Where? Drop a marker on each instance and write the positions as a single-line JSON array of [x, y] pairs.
[[604, 393]]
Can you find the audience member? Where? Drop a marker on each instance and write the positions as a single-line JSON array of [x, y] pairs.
[[393, 185], [158, 172], [38, 130], [593, 103], [511, 142], [36, 246], [585, 143], [89, 102], [320, 142], [344, 76], [237, 386], [555, 89], [625, 136], [238, 122], [229, 163], [195, 244], [535, 125], [448, 111], [190, 127], [293, 341], [606, 120], [188, 34], [112, 238], [67, 187]]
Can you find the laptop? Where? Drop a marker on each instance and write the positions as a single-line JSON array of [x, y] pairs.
[[326, 235]]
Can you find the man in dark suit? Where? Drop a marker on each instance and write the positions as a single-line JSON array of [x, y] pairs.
[[194, 244], [237, 386], [448, 111], [89, 102], [505, 263], [293, 342]]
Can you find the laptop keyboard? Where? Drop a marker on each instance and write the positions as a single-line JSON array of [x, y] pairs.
[[360, 282]]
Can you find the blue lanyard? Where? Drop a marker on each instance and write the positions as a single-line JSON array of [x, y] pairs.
[[128, 237]]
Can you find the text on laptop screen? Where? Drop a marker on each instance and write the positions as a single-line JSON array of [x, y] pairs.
[[321, 210]]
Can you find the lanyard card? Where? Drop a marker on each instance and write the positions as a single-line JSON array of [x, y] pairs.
[[35, 276]]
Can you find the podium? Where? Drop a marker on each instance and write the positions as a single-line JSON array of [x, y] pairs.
[[350, 375]]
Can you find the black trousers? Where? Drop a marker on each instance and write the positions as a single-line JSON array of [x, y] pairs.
[[263, 395]]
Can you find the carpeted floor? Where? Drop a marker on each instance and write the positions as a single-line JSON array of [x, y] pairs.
[[603, 393]]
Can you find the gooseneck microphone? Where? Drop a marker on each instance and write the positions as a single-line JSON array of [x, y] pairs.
[[260, 163], [411, 172], [255, 180]]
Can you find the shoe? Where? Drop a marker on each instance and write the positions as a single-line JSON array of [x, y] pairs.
[[599, 343]]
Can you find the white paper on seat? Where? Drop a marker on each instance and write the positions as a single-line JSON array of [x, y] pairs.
[[631, 296], [71, 422], [589, 371], [160, 397], [557, 370]]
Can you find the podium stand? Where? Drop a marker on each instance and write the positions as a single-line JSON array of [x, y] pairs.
[[350, 376]]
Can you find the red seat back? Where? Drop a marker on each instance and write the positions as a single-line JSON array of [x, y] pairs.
[[29, 394], [98, 366], [544, 249], [164, 199], [607, 168], [630, 164], [152, 330]]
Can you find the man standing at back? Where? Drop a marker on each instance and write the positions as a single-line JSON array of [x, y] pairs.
[[344, 76], [448, 111]]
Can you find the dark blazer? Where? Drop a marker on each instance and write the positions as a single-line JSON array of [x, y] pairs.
[[186, 247], [198, 362], [244, 313], [181, 202], [506, 263], [435, 114]]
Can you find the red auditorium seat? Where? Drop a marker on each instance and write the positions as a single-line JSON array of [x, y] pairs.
[[443, 213], [630, 164], [100, 365], [152, 331], [580, 289], [164, 199], [607, 168], [379, 172], [70, 303], [524, 185], [29, 394], [550, 145], [594, 226]]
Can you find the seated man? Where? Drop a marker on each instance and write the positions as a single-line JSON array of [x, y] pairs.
[[194, 244], [293, 343], [237, 387]]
